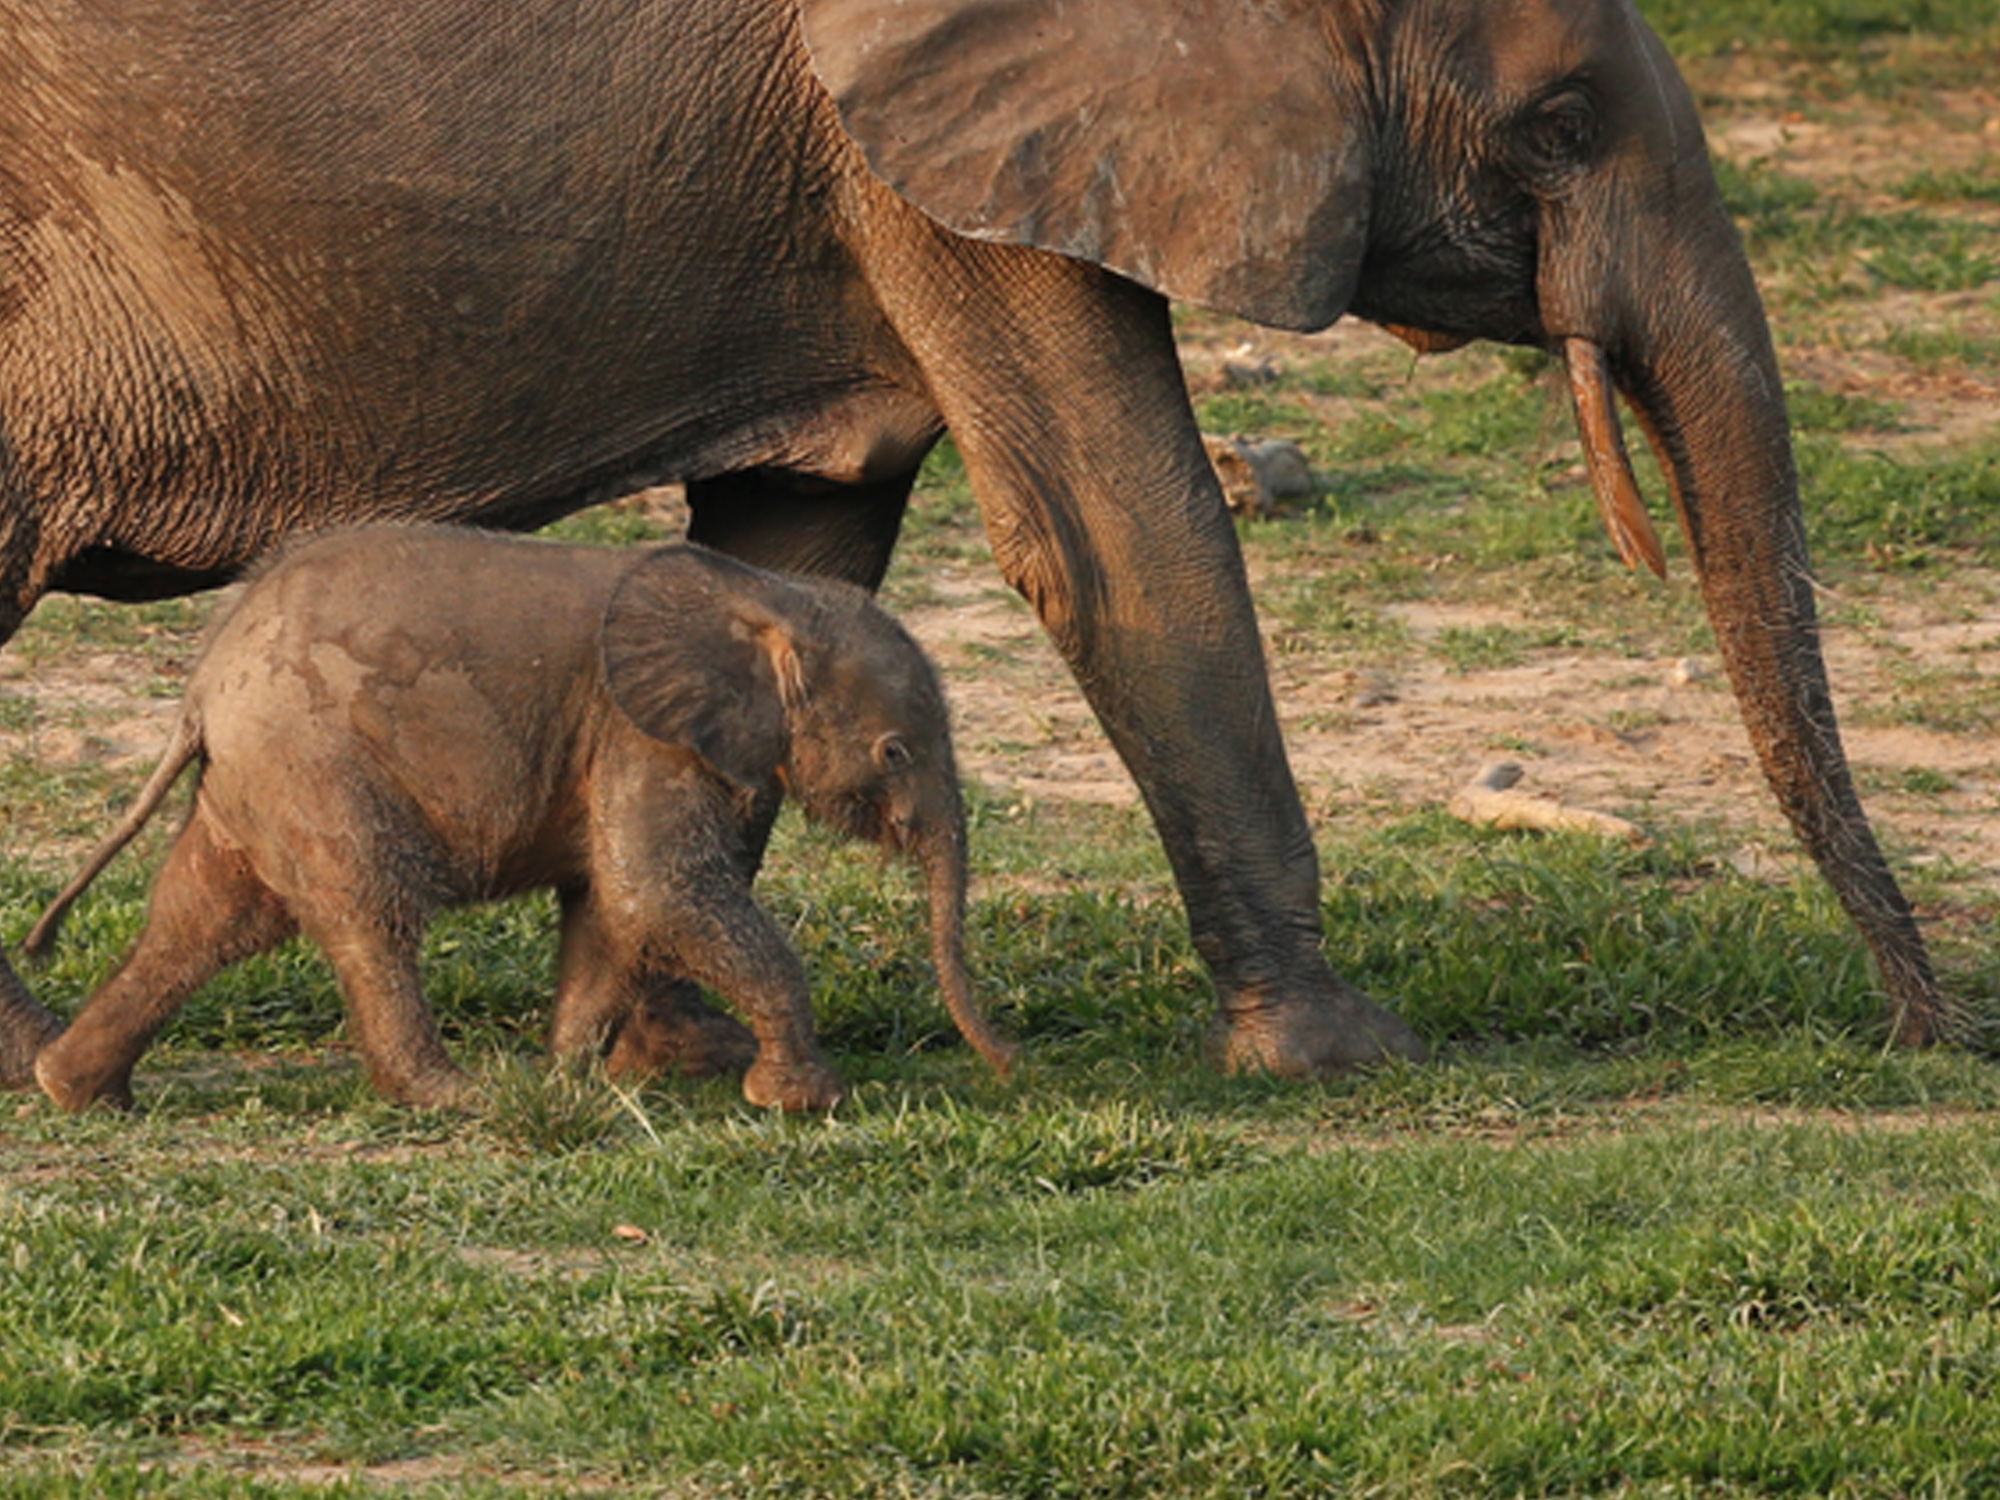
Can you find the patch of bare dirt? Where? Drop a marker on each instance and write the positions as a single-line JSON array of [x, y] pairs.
[[1860, 144], [1658, 741], [1865, 153], [85, 711]]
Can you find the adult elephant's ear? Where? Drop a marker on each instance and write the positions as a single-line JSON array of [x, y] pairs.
[[1215, 150], [698, 652]]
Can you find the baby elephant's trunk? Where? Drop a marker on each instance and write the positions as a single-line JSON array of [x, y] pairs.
[[942, 855]]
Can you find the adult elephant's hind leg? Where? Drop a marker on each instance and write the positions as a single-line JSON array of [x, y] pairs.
[[1063, 390], [26, 1025], [208, 910]]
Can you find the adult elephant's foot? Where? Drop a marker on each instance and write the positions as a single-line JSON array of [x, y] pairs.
[[795, 1087], [26, 1026], [1334, 1030], [674, 1031]]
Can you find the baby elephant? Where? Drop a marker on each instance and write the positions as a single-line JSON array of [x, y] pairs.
[[397, 719]]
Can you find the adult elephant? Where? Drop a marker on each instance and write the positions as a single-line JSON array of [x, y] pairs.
[[267, 264]]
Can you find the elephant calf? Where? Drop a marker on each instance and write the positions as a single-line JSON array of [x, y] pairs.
[[397, 719]]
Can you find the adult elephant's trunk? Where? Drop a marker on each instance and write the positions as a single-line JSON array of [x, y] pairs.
[[1693, 354], [941, 852]]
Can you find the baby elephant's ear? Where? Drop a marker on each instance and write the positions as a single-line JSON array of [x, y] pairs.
[[696, 654]]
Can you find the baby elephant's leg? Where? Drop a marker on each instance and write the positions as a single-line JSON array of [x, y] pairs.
[[734, 948], [712, 932], [394, 1029], [208, 910], [649, 1022], [672, 1030], [595, 986]]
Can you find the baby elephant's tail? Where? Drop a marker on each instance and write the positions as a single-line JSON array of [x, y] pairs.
[[183, 747]]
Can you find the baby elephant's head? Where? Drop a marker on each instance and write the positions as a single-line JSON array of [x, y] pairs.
[[812, 685], [870, 752]]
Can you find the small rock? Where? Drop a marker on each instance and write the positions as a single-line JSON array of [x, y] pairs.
[[1687, 671], [1368, 690], [1283, 467], [1755, 862], [1256, 475], [1493, 799], [1244, 368]]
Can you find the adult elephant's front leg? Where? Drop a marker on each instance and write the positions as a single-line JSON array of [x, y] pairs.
[[1065, 395]]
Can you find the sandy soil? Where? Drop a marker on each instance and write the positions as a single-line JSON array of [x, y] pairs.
[[1657, 741]]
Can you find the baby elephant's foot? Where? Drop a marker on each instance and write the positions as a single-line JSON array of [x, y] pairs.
[[674, 1032], [441, 1088], [426, 1083], [796, 1088], [80, 1083]]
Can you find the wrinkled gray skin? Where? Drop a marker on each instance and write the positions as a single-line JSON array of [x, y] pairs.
[[269, 265], [397, 719]]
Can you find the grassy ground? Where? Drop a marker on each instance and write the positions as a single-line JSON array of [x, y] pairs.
[[1664, 1218]]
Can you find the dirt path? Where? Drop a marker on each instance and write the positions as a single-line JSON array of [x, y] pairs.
[[1656, 741]]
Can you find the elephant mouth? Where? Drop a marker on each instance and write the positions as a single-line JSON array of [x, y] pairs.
[[856, 817], [1427, 340]]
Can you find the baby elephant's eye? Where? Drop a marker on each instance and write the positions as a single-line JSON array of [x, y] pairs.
[[891, 753]]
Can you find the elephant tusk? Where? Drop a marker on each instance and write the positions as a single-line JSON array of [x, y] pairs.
[[1618, 498]]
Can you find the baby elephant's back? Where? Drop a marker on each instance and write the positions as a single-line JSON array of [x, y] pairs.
[[453, 666]]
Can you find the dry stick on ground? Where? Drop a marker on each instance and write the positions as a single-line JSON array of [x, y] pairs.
[[1490, 799]]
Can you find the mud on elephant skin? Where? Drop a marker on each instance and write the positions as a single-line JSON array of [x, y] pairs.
[[397, 719], [281, 266]]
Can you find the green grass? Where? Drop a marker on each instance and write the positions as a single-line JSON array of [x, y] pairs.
[[159, 633], [1701, 25], [1833, 250], [1815, 410], [1945, 348], [1964, 184], [1897, 512], [1074, 1296]]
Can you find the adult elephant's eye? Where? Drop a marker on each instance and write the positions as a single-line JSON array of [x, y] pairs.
[[893, 753], [1558, 133]]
